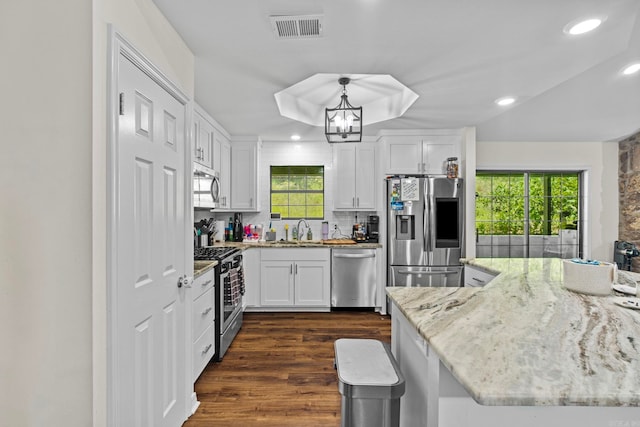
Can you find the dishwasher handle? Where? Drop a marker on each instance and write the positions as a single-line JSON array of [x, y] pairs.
[[354, 256]]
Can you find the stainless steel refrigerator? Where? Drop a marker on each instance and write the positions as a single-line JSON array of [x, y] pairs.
[[425, 228]]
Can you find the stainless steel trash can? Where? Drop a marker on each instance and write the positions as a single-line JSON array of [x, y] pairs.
[[370, 383]]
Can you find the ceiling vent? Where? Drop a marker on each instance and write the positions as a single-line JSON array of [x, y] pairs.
[[297, 27]]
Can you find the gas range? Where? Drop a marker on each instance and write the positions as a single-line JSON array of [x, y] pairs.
[[214, 253], [229, 289]]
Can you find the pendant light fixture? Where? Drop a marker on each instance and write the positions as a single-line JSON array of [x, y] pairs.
[[343, 123]]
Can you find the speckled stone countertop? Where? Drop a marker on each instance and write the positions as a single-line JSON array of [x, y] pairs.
[[201, 267], [524, 339], [297, 244]]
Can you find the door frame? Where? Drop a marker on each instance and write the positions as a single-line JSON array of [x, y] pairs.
[[119, 45]]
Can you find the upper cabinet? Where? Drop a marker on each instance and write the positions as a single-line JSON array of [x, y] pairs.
[[222, 164], [202, 139], [420, 154], [354, 176], [245, 160]]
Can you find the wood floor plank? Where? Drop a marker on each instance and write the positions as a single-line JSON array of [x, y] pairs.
[[279, 370]]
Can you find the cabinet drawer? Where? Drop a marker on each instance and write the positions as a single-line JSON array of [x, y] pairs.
[[203, 313], [203, 351], [203, 283], [290, 254], [474, 277]]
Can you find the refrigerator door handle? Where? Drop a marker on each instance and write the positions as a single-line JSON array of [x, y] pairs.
[[428, 273], [425, 218]]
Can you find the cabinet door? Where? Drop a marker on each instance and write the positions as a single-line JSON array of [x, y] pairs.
[[225, 174], [403, 155], [244, 177], [312, 285], [366, 184], [251, 267], [203, 140], [344, 163], [436, 151], [217, 151], [276, 283]]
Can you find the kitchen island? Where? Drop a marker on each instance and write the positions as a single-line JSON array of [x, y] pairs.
[[522, 351]]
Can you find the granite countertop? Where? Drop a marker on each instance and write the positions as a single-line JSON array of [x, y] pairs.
[[524, 339], [201, 267], [297, 244]]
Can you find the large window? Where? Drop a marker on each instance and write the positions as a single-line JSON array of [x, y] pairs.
[[528, 214], [298, 191]]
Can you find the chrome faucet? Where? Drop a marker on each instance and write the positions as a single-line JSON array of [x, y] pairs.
[[306, 224]]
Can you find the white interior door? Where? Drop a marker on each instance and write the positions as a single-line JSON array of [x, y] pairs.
[[149, 378]]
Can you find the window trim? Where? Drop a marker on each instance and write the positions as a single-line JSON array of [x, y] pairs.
[[583, 173], [272, 191]]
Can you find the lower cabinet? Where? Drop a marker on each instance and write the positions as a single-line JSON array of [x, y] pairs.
[[295, 278], [474, 277], [203, 318]]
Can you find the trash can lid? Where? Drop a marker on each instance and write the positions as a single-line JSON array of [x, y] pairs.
[[364, 362]]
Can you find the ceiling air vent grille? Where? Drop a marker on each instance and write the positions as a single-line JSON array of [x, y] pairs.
[[297, 27]]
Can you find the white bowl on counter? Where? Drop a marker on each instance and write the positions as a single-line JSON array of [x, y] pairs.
[[589, 279]]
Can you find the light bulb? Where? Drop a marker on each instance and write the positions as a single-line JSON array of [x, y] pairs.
[[583, 26], [631, 69], [349, 120]]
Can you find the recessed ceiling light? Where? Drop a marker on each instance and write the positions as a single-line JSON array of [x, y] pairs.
[[631, 69], [580, 27], [295, 137], [507, 100]]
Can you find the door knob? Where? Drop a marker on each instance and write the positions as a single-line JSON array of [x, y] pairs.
[[183, 281]]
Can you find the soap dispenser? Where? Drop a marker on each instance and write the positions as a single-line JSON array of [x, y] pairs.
[[309, 234]]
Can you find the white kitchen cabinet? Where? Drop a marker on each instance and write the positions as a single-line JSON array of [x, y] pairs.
[[251, 267], [245, 159], [420, 154], [295, 278], [222, 164], [309, 283], [354, 177], [202, 321], [276, 287], [202, 139], [474, 277]]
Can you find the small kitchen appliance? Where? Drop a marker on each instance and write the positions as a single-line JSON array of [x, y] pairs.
[[373, 227], [623, 252]]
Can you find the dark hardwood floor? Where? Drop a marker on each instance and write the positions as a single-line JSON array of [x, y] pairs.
[[279, 370]]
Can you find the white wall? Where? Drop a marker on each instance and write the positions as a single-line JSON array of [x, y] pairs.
[[45, 214], [52, 181], [600, 159], [144, 26]]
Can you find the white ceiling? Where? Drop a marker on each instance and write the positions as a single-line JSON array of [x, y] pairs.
[[457, 55]]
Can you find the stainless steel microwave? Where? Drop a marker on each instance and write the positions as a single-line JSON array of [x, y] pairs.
[[206, 187]]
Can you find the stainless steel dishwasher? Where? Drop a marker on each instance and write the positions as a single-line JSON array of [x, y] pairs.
[[353, 277]]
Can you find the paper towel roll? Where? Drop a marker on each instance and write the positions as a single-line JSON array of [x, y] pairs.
[[218, 236]]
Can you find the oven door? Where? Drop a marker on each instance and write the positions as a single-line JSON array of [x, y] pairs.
[[229, 305]]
